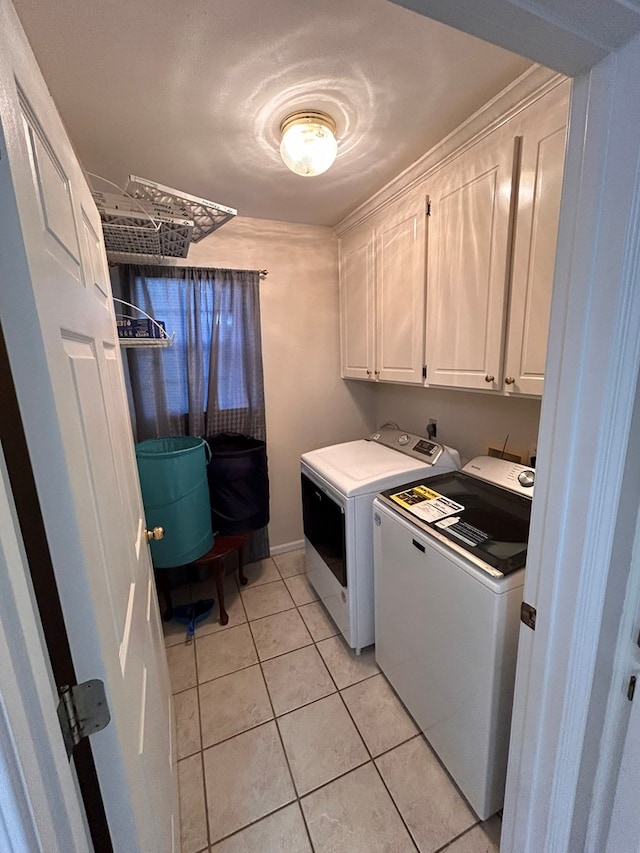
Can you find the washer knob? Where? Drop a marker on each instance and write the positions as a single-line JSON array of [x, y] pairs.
[[527, 479], [403, 439]]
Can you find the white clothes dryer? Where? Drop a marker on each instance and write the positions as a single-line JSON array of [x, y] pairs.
[[339, 484]]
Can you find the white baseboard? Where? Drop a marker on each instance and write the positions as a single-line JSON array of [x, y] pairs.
[[288, 546]]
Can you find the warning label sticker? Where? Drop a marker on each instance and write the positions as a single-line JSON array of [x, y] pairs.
[[465, 532], [426, 504]]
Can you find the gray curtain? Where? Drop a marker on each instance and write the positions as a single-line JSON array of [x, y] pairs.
[[211, 379]]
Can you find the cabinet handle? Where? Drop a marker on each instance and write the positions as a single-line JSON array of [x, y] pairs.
[[509, 380], [377, 372], [368, 373], [489, 378]]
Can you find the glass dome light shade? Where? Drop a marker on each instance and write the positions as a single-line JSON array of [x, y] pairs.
[[308, 145]]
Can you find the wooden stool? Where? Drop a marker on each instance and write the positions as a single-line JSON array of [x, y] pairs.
[[223, 547]]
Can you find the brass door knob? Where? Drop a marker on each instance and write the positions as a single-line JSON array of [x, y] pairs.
[[489, 378], [156, 533], [509, 380]]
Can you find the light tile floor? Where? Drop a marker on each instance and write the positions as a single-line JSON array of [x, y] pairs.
[[288, 742]]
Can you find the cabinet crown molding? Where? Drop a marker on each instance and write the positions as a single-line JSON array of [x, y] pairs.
[[533, 84]]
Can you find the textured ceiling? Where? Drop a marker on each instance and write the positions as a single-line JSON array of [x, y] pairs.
[[192, 94]]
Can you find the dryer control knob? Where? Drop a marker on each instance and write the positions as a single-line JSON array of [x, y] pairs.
[[403, 439], [527, 478]]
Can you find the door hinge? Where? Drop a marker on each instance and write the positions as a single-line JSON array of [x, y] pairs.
[[528, 615], [82, 711], [424, 372], [428, 208], [631, 689]]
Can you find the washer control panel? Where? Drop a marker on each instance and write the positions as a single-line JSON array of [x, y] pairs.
[[406, 442], [527, 478], [500, 472]]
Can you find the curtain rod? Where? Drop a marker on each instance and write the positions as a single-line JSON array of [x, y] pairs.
[[261, 273]]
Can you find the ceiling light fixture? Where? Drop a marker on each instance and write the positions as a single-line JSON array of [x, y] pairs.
[[308, 145]]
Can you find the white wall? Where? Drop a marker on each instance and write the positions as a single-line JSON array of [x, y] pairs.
[[469, 422], [307, 404]]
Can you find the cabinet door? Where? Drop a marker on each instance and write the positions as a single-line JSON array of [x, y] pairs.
[[357, 324], [468, 253], [542, 161], [401, 272]]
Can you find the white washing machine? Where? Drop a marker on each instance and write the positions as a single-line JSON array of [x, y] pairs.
[[449, 559], [339, 484]]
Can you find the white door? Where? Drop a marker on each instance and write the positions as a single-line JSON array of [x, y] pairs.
[[536, 235], [400, 275], [57, 315], [468, 256], [357, 319]]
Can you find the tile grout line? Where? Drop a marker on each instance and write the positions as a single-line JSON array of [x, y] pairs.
[[396, 806], [418, 734], [284, 751], [204, 775], [293, 782], [315, 646], [337, 690], [371, 758], [274, 719], [459, 836], [315, 643]]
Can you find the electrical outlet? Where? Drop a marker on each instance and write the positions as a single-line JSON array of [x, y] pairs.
[[432, 428]]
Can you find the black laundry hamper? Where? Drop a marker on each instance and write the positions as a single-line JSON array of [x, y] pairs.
[[238, 483]]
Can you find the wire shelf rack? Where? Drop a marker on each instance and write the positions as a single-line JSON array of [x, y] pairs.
[[207, 216], [149, 220], [158, 338]]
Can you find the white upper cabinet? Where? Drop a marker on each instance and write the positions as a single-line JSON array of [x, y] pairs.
[[357, 304], [536, 229], [484, 282], [468, 265], [400, 291], [382, 293], [491, 273]]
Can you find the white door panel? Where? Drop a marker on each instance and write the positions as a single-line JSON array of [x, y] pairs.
[[357, 324], [401, 272], [61, 338], [468, 255], [536, 234]]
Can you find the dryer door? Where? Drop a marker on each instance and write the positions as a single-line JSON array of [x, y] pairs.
[[323, 521]]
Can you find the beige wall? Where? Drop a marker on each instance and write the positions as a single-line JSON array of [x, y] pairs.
[[469, 422], [307, 404]]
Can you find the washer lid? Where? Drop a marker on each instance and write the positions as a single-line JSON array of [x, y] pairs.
[[477, 517], [359, 467]]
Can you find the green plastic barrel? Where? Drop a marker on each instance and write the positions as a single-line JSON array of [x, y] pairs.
[[175, 493]]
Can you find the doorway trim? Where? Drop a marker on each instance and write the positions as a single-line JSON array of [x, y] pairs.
[[39, 802]]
